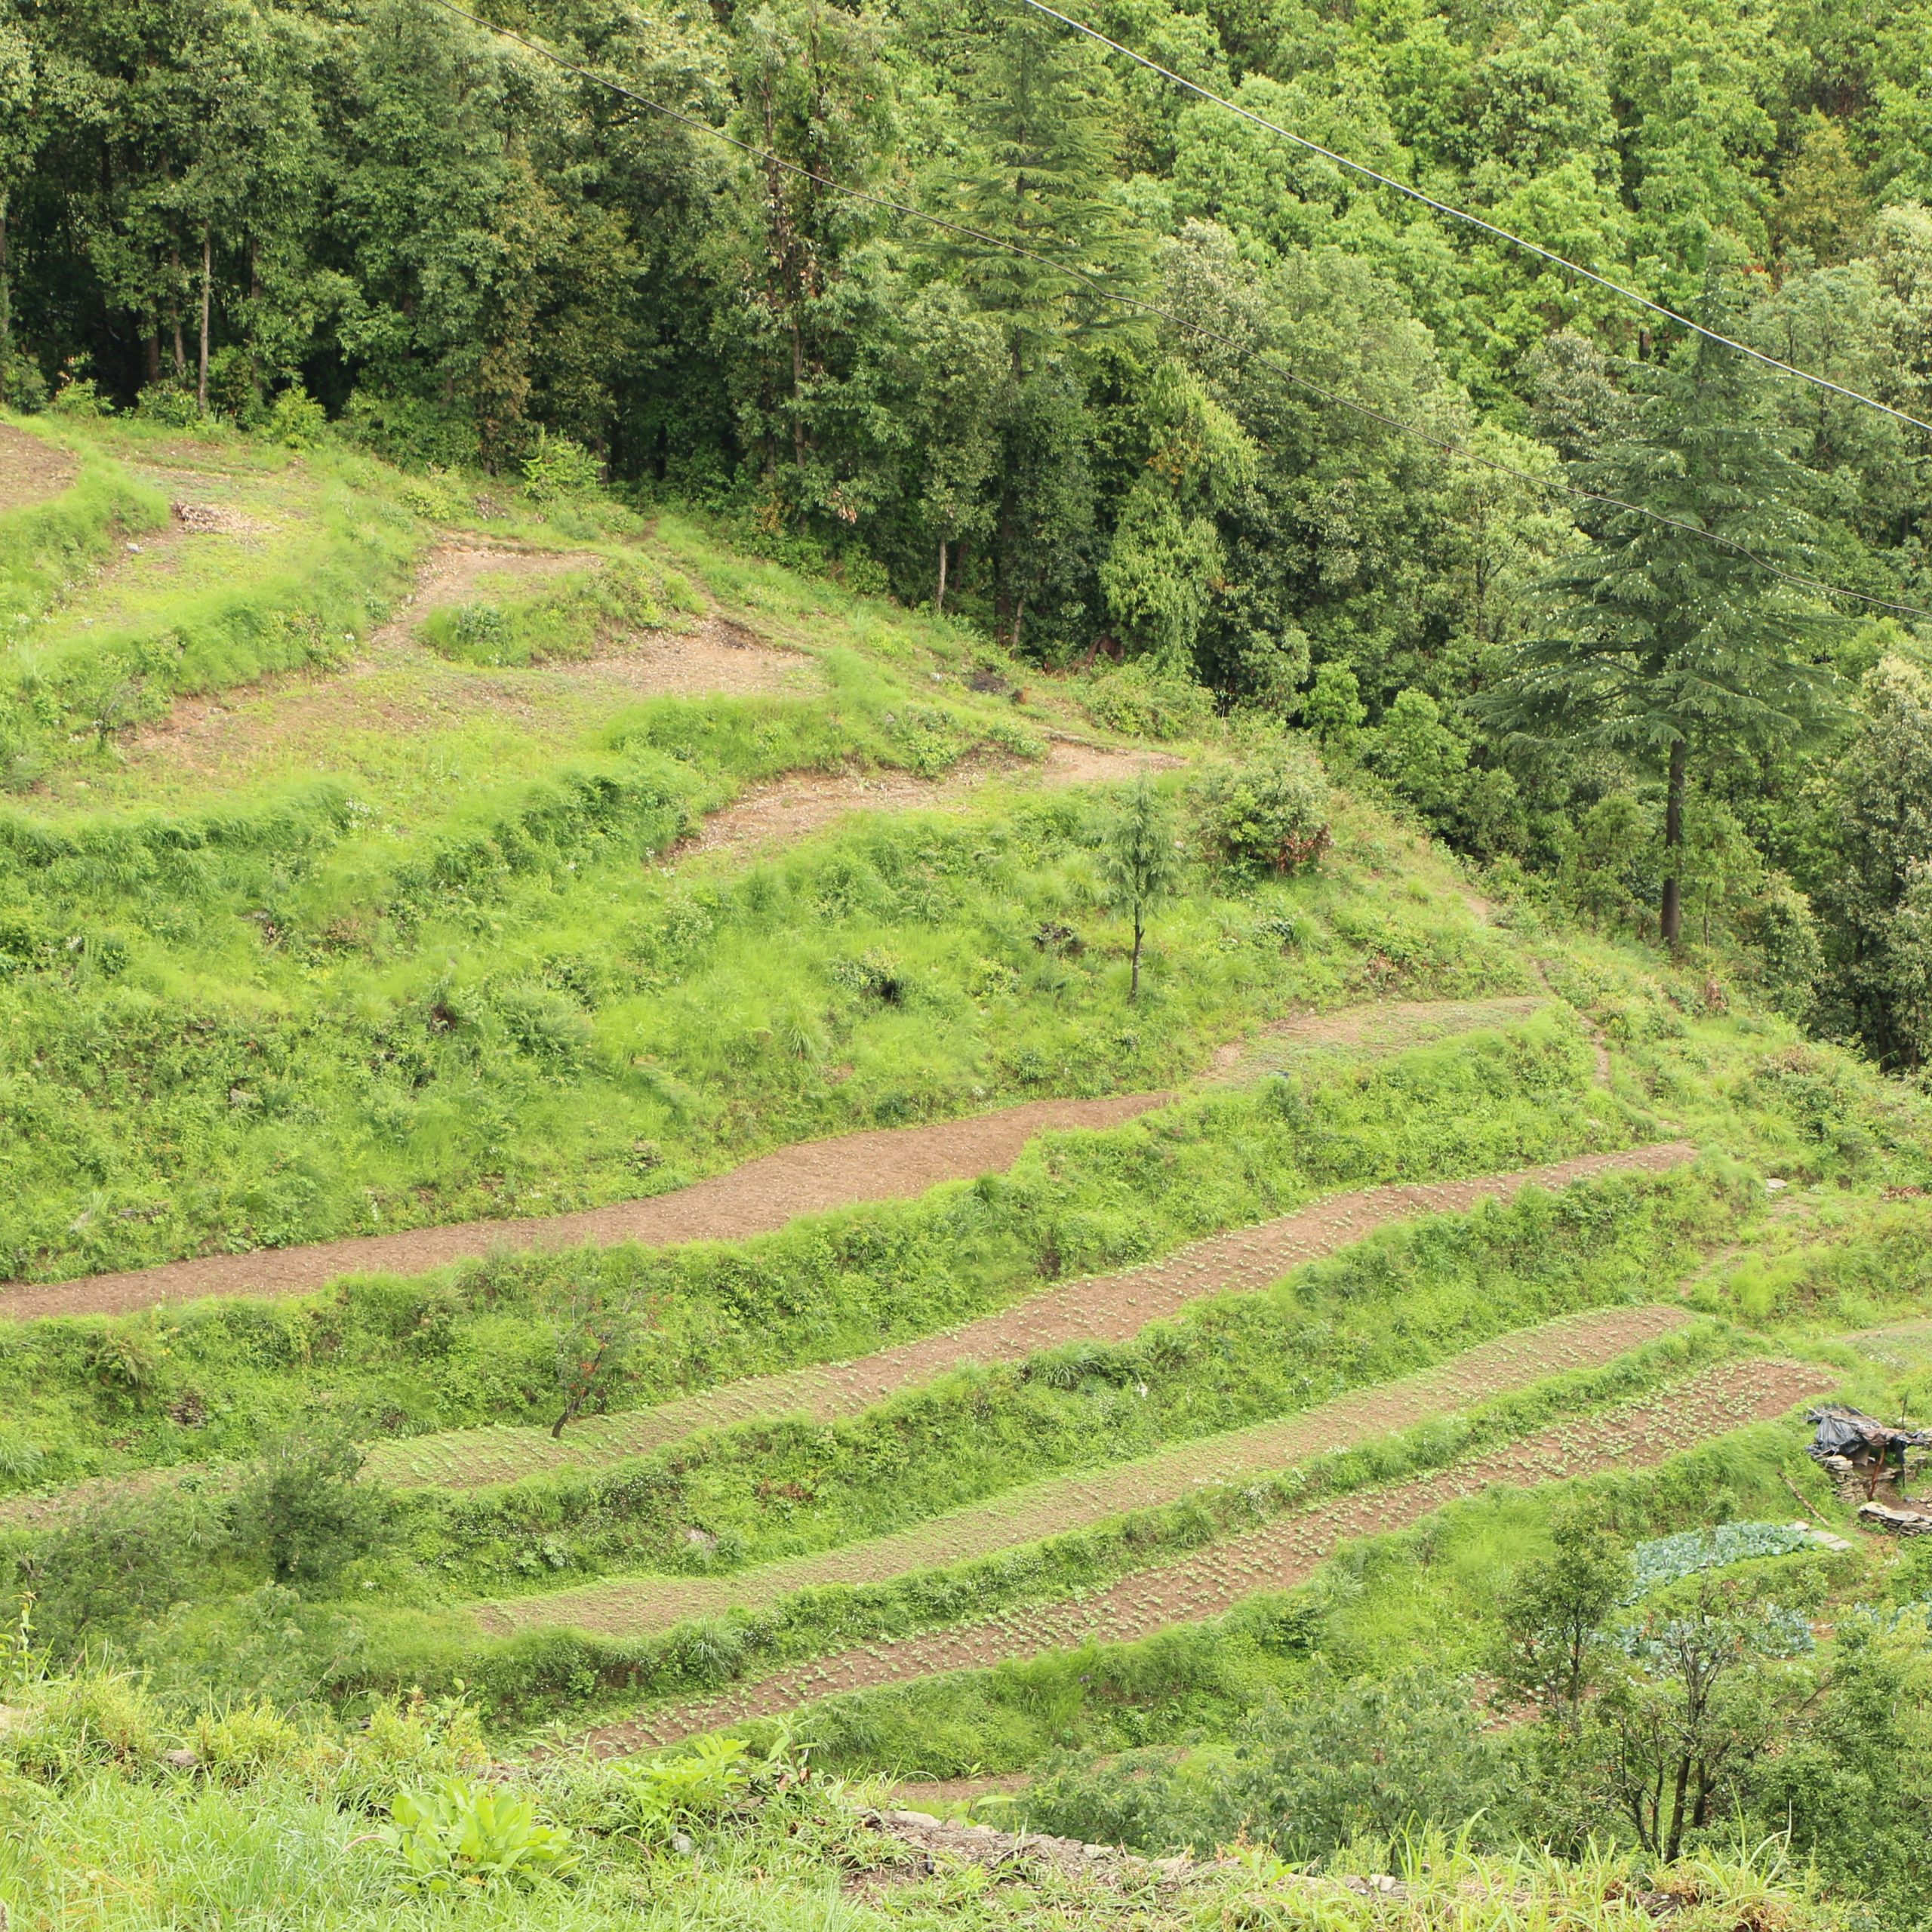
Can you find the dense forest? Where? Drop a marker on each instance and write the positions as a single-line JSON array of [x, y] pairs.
[[1093, 416]]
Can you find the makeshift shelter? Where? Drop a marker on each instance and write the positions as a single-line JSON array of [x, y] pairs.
[[1862, 1454]]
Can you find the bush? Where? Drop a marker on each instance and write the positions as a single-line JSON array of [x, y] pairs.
[[1269, 814], [1350, 1761], [79, 394], [559, 468], [300, 1510], [73, 1724], [171, 402], [297, 419], [123, 1558], [1149, 703]]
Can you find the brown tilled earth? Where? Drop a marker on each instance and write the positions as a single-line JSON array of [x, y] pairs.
[[803, 802], [632, 1606], [1106, 1308], [31, 470], [888, 1163], [1281, 1553]]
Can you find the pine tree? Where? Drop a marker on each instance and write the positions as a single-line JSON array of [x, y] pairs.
[[1665, 646], [1139, 866]]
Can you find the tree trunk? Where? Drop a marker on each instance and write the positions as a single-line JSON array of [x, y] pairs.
[[939, 596], [1671, 919], [207, 297], [174, 317], [557, 1434], [1133, 990], [1019, 618], [1675, 1844], [6, 301]]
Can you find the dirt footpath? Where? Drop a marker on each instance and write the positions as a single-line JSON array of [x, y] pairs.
[[887, 1163]]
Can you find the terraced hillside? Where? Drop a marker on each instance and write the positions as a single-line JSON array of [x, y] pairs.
[[577, 1128]]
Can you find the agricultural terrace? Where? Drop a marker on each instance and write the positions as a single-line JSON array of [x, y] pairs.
[[610, 1169]]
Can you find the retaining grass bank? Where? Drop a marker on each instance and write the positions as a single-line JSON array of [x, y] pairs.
[[476, 1345]]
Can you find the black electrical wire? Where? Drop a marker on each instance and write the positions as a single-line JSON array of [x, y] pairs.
[[1137, 305], [1449, 208]]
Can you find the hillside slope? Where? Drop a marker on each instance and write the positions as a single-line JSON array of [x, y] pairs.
[[580, 1145]]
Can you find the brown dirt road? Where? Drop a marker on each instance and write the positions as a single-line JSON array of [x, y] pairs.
[[635, 1605], [887, 1163], [1104, 1308], [1280, 1554]]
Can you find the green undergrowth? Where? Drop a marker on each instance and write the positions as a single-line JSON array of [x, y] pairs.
[[1427, 1594], [250, 1042], [571, 617], [394, 1356], [288, 1826], [1686, 1047], [1844, 1266], [1408, 1298]]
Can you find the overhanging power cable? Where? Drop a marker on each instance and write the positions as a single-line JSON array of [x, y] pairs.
[[1448, 208], [1137, 305]]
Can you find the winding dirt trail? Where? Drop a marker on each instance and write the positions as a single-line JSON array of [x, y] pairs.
[[1104, 1308], [885, 1164], [803, 802], [1287, 1551], [636, 1606]]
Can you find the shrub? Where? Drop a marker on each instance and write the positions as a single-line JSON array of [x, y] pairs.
[[123, 1558], [559, 468], [1149, 702], [171, 402], [74, 1723], [237, 1745], [79, 394], [297, 419], [300, 1510], [1349, 1760], [1270, 813]]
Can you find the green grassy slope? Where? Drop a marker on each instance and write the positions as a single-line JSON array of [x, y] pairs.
[[323, 911]]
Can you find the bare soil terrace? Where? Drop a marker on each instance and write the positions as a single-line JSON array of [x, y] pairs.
[[635, 1605], [1278, 1555], [887, 1163], [1104, 1308]]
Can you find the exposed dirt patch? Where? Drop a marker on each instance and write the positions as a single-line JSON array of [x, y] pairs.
[[888, 1163], [396, 687], [32, 471], [1390, 1027], [453, 573], [804, 802], [1106, 1308], [633, 1606], [1278, 1555], [717, 657]]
